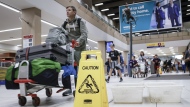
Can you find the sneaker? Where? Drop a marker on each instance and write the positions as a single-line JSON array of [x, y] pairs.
[[107, 80], [121, 80], [67, 92]]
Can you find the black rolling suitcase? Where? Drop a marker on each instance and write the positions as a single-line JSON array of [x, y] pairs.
[[47, 50]]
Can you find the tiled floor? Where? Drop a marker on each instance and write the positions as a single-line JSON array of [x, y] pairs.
[[8, 98]]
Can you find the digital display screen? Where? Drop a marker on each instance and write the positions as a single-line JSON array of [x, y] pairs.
[[108, 48]]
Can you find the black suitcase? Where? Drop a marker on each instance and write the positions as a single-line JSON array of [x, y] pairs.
[[47, 50]]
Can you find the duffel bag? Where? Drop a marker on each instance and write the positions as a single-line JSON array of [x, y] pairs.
[[42, 71], [68, 70]]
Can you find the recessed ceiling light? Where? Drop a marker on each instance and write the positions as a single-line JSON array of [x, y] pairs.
[[148, 53], [7, 30], [48, 23], [188, 5], [164, 54], [188, 10], [92, 40], [99, 4], [10, 40], [103, 10], [188, 14], [111, 14], [8, 7], [87, 45], [115, 18]]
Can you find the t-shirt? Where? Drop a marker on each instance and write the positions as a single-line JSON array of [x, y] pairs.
[[157, 61], [114, 55], [132, 63]]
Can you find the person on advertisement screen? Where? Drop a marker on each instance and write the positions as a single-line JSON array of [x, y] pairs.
[[173, 13], [127, 12], [160, 15]]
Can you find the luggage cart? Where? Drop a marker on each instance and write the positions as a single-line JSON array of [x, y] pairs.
[[28, 87]]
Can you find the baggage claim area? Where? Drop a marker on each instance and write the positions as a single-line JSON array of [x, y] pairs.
[[95, 53]]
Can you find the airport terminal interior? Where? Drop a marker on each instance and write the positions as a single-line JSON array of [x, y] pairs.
[[95, 53]]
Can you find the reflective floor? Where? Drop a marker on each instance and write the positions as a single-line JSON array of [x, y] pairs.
[[8, 98]]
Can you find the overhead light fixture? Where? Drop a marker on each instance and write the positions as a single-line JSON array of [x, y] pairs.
[[95, 48], [103, 10], [7, 30], [148, 53], [9, 7], [44, 35], [92, 41], [188, 14], [111, 14], [99, 4], [48, 23], [164, 54], [170, 47], [87, 45], [10, 40], [188, 10], [115, 18], [188, 5], [19, 45]]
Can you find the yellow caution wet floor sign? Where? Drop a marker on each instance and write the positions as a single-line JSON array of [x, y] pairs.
[[91, 86]]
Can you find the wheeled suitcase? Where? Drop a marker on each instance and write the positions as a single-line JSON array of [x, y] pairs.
[[48, 50]]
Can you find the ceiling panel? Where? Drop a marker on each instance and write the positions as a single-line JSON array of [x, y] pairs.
[[9, 19]]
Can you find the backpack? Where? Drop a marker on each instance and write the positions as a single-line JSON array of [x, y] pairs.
[[78, 22], [57, 36]]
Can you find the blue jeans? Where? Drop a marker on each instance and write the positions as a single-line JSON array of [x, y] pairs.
[[176, 67], [184, 67]]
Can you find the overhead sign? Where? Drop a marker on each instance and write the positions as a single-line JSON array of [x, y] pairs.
[[155, 45], [27, 41], [91, 88], [152, 15]]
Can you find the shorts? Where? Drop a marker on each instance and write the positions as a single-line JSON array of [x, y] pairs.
[[113, 64], [134, 70]]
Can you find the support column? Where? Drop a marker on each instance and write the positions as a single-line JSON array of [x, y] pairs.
[[125, 55], [102, 48], [31, 24]]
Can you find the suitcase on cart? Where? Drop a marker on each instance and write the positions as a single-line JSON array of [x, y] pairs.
[[47, 50]]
